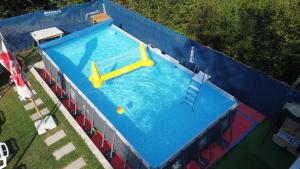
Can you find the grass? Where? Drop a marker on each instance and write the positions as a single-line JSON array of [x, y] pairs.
[[28, 149], [252, 152]]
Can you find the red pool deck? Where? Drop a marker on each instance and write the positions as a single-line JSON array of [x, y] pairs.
[[245, 120]]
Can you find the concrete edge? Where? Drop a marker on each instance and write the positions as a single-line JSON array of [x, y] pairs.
[[100, 157]]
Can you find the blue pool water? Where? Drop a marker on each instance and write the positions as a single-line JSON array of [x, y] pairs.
[[156, 122]]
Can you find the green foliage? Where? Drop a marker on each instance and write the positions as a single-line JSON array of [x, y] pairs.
[[19, 7], [262, 34]]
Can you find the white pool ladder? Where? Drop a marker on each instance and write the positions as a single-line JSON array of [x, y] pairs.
[[191, 95], [192, 91]]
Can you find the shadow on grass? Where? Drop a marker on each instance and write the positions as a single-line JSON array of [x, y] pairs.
[[4, 89], [2, 120], [24, 152], [4, 81], [28, 58], [53, 111], [23, 166], [12, 147]]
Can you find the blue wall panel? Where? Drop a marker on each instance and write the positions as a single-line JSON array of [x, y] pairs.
[[16, 30]]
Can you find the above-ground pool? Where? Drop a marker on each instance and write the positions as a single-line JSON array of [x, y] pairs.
[[156, 122]]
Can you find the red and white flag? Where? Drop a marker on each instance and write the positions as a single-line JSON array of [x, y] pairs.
[[9, 61]]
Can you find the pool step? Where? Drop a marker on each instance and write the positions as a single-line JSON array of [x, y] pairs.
[[193, 93], [194, 87], [190, 97], [189, 102]]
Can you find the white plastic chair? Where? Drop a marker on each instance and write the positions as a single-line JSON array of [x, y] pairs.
[[4, 153]]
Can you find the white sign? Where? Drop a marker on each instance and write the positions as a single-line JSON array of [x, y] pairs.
[[49, 13], [192, 55]]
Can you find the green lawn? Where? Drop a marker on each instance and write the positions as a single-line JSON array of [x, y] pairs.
[[252, 153], [30, 150]]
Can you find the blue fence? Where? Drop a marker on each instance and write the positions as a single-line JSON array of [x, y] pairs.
[[17, 30], [252, 87]]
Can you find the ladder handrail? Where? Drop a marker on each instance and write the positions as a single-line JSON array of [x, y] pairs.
[[196, 69]]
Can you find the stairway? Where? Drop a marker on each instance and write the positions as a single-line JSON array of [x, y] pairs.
[[191, 95], [194, 86]]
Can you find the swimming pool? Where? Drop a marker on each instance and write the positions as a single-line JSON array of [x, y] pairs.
[[157, 122]]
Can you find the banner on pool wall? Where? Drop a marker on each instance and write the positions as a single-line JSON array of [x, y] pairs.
[[192, 55], [48, 13]]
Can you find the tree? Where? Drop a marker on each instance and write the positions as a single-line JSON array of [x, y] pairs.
[[20, 7]]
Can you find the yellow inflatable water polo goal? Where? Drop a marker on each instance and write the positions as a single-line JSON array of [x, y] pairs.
[[98, 80]]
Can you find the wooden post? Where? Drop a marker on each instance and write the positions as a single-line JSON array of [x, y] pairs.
[[36, 108], [33, 101]]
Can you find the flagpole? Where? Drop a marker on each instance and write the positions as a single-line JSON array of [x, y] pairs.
[[36, 108], [34, 103]]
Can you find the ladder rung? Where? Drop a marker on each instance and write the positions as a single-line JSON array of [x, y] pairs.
[[190, 97], [190, 103], [192, 92], [194, 87]]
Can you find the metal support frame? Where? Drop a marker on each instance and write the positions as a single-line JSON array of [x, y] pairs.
[[61, 90], [112, 145], [84, 112], [230, 127], [140, 162], [222, 141], [69, 95], [125, 160], [56, 79], [50, 79], [92, 126], [209, 147], [45, 73], [103, 137], [75, 104]]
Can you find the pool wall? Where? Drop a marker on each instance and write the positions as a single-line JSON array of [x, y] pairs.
[[118, 142]]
